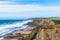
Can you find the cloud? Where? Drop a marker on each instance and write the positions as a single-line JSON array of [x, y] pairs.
[[9, 9], [6, 6], [26, 8]]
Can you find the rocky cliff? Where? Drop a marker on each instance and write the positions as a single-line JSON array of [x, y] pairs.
[[46, 30], [43, 30], [48, 34]]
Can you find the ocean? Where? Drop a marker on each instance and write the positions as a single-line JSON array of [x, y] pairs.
[[8, 26]]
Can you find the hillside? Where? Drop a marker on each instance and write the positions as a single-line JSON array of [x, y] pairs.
[[43, 29], [46, 30]]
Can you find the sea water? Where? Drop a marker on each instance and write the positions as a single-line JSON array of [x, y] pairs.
[[8, 26]]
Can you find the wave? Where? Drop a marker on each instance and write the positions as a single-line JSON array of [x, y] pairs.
[[8, 28]]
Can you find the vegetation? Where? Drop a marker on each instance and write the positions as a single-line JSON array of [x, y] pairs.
[[52, 18], [47, 29], [44, 29]]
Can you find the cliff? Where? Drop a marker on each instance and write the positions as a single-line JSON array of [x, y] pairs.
[[48, 34], [46, 30], [42, 30]]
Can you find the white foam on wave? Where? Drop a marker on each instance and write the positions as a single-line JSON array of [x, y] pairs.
[[1, 38], [5, 29]]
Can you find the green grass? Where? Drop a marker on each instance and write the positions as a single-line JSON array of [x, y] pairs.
[[28, 37], [52, 18]]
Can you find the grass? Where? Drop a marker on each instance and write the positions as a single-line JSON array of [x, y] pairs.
[[52, 18], [28, 37]]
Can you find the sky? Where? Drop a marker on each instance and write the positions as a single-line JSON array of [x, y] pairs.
[[15, 9]]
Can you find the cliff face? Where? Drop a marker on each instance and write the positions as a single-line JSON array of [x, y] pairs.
[[48, 34], [41, 23], [44, 30], [47, 30]]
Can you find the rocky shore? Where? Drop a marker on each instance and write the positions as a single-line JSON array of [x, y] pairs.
[[41, 30], [20, 35]]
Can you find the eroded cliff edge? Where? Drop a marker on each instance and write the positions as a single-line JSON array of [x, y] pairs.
[[42, 30], [46, 30]]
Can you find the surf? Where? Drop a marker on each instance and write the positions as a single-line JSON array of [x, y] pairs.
[[8, 28]]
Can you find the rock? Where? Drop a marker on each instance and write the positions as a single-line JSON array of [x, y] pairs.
[[41, 23]]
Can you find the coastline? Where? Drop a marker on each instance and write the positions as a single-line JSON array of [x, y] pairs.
[[25, 27], [35, 29], [16, 32]]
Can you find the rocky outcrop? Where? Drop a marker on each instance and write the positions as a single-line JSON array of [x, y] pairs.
[[48, 34], [41, 23], [44, 30]]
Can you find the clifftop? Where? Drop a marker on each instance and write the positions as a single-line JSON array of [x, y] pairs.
[[41, 23]]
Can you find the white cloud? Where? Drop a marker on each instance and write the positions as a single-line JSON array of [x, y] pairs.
[[23, 8], [6, 6], [7, 9]]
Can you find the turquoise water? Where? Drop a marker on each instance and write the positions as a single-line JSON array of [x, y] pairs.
[[9, 21], [8, 26]]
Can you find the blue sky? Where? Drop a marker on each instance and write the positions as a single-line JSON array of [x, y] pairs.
[[14, 9]]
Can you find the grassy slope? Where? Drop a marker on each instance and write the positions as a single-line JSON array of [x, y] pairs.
[[52, 18]]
